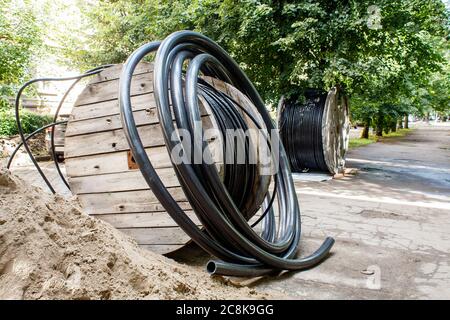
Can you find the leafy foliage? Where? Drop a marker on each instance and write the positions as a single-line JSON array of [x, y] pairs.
[[30, 122], [19, 37], [389, 55]]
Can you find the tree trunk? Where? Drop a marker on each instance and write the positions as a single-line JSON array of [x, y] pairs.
[[365, 132], [379, 124], [393, 126], [400, 124], [406, 122], [379, 132]]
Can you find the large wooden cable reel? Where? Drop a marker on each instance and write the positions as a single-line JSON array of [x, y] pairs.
[[103, 174], [306, 133]]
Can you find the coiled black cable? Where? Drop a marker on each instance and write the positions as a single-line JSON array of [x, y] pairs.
[[300, 127], [227, 234]]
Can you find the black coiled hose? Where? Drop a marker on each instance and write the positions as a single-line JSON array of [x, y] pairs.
[[226, 234], [300, 127]]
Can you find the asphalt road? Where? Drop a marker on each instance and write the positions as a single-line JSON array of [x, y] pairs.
[[391, 222]]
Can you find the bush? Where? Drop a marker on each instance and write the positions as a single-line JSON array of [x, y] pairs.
[[4, 104], [30, 122]]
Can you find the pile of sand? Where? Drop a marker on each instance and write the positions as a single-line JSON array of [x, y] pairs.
[[49, 249], [36, 144]]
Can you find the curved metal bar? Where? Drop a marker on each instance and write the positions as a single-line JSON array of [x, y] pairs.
[[55, 118], [19, 124], [52, 135]]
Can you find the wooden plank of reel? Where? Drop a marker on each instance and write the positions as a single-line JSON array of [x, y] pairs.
[[103, 174], [335, 130]]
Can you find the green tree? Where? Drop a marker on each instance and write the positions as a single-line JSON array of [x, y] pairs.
[[19, 37], [384, 53]]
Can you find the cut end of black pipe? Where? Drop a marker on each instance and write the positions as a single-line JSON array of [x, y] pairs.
[[211, 267]]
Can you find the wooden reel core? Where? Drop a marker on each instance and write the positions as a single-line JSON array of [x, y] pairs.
[[103, 174]]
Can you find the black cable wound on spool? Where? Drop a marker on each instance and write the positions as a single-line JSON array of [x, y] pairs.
[[238, 176], [300, 127], [227, 235]]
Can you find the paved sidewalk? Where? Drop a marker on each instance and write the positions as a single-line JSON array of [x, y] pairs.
[[391, 222]]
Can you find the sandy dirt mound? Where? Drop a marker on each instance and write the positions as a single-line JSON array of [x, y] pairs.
[[36, 144], [49, 249]]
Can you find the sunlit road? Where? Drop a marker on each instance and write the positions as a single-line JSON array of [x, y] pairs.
[[391, 222]]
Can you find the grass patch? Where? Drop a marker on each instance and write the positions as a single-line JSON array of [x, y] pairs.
[[30, 122], [359, 142], [398, 133]]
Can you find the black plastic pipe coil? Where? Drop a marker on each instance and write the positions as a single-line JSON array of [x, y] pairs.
[[226, 233], [300, 127]]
